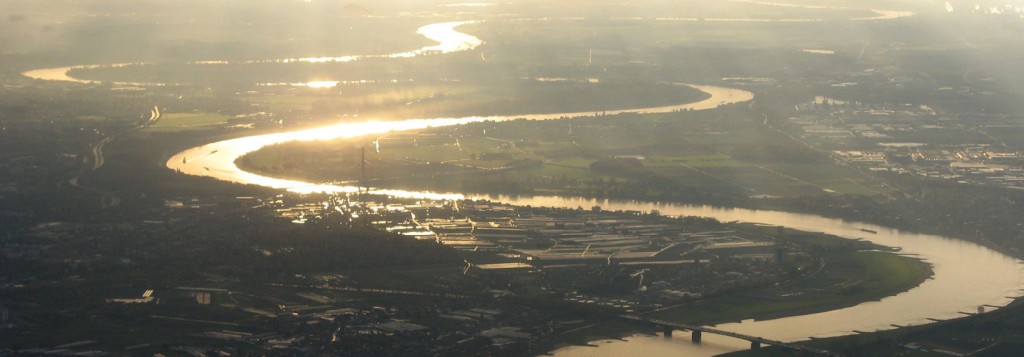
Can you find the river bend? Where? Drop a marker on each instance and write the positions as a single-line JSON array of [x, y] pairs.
[[966, 275]]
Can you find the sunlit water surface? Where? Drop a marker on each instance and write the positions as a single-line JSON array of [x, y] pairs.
[[966, 275], [448, 40]]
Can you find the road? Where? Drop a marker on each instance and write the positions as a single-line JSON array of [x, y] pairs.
[[108, 198]]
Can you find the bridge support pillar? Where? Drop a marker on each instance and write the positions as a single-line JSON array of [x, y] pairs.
[[667, 330], [755, 345], [695, 336]]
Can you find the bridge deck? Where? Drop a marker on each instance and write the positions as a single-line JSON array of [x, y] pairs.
[[712, 330]]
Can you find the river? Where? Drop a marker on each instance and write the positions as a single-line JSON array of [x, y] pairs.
[[217, 159], [448, 40], [966, 275]]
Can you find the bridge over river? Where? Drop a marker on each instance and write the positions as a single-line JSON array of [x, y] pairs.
[[696, 332]]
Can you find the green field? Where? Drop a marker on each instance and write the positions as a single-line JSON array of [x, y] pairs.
[[187, 121], [283, 102], [706, 153], [431, 98], [875, 275], [879, 274], [92, 118]]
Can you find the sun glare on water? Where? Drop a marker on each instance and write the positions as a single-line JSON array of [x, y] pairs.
[[321, 84]]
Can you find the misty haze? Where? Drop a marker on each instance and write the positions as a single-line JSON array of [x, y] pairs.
[[511, 178]]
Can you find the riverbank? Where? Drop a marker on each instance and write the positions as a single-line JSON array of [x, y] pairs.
[[894, 274], [969, 274], [658, 158], [883, 274], [984, 334]]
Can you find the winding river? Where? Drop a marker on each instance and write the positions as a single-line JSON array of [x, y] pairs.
[[966, 275], [217, 159], [448, 41]]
